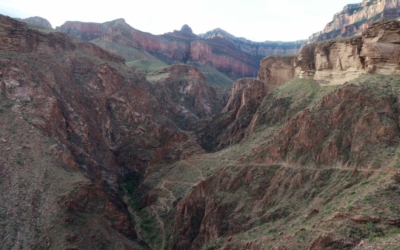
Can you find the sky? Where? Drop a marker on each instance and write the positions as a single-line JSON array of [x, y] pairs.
[[256, 20]]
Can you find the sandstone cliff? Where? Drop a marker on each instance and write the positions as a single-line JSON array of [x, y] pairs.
[[339, 61], [355, 18], [275, 70], [328, 62], [380, 51]]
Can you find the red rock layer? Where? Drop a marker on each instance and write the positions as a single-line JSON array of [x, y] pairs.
[[183, 46]]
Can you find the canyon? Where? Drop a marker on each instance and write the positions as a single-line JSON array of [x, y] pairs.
[[97, 153]]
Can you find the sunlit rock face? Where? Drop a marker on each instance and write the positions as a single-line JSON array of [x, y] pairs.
[[355, 18]]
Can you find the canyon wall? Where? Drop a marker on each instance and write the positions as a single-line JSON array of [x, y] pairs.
[[355, 18], [266, 48], [275, 70], [232, 56], [339, 61]]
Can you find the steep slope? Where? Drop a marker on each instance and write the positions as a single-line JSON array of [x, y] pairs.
[[182, 89], [226, 128], [331, 187], [355, 18]]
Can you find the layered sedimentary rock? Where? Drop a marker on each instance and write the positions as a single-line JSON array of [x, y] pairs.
[[234, 57], [16, 37], [380, 50], [257, 48], [355, 18], [275, 70], [339, 61], [330, 62]]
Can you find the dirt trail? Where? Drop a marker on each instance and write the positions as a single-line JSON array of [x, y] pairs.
[[197, 168], [290, 166]]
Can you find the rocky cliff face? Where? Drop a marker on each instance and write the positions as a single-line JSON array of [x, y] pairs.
[[330, 62], [263, 49], [275, 70], [380, 50], [37, 21], [227, 127], [355, 18], [231, 56], [339, 61], [182, 89]]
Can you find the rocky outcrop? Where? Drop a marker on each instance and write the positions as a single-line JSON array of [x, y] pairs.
[[275, 70], [342, 129], [329, 62], [228, 127], [380, 51], [37, 21], [339, 61], [16, 37], [356, 18], [234, 57], [182, 89]]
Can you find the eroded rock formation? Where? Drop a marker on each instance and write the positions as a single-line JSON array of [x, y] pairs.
[[381, 48], [356, 18], [266, 48], [232, 56], [182, 89], [339, 61], [275, 70], [228, 127]]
